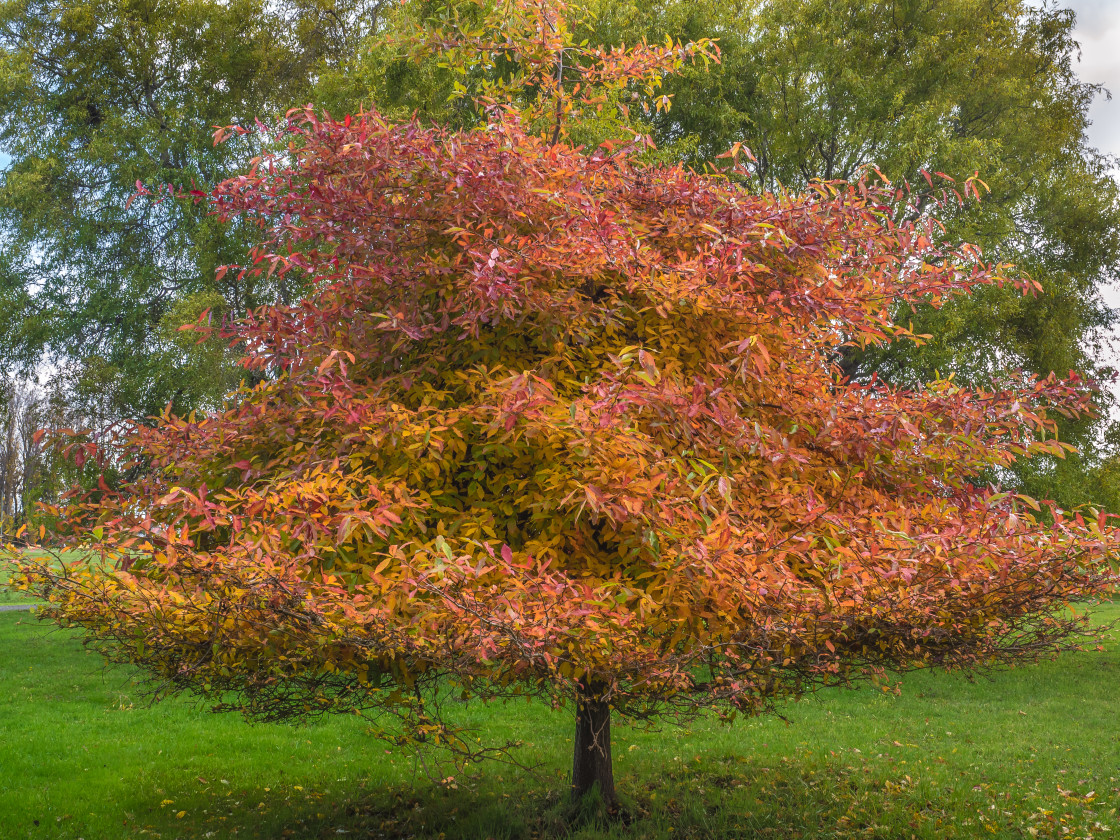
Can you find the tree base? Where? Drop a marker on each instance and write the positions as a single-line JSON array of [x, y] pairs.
[[592, 769]]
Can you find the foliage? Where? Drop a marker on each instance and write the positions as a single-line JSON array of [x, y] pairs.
[[99, 95], [559, 423], [825, 89], [30, 471], [815, 89], [528, 54]]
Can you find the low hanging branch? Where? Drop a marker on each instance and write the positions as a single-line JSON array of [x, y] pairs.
[[556, 423]]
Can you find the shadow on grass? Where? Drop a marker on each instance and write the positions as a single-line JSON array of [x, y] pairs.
[[794, 798]]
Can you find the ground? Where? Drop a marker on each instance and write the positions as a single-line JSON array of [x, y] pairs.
[[1035, 752]]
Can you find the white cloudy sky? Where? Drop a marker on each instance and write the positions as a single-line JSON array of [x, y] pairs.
[[1098, 30]]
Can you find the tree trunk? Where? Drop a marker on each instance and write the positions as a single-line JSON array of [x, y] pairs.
[[591, 764]]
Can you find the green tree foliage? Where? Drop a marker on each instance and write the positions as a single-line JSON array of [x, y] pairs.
[[96, 96]]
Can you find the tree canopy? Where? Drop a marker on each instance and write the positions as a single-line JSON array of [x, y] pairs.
[[98, 96], [820, 90], [559, 422]]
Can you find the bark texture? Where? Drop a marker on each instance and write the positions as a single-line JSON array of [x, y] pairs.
[[591, 764]]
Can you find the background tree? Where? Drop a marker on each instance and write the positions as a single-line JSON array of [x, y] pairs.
[[560, 423], [31, 471], [98, 96]]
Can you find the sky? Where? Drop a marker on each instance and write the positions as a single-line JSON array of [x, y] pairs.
[[1098, 31]]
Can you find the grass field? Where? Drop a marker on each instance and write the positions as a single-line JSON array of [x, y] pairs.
[[1033, 753], [7, 596]]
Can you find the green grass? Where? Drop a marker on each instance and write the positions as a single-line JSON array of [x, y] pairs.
[[1035, 752], [9, 596]]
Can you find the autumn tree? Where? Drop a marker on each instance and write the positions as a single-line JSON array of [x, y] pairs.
[[821, 89], [559, 423], [97, 94], [825, 88]]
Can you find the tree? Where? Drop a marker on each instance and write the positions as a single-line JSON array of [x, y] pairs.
[[816, 89], [823, 89], [559, 423], [30, 471], [98, 95]]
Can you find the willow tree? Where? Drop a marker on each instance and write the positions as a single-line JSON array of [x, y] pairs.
[[558, 423], [96, 95]]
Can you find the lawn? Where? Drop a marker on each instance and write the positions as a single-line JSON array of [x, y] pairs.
[[9, 596], [1035, 752]]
